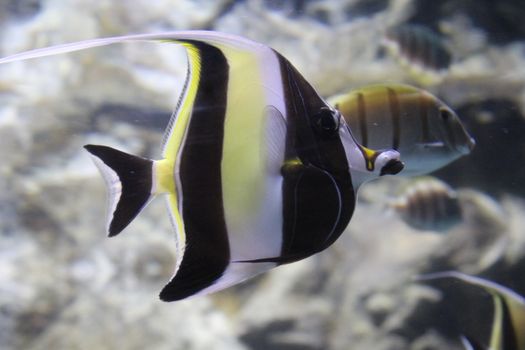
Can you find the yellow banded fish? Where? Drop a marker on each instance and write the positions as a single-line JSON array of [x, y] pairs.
[[508, 325], [421, 50], [428, 203], [426, 132], [257, 168]]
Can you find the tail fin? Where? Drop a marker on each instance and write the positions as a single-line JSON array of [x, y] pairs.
[[129, 184]]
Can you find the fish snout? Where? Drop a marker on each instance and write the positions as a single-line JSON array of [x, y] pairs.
[[471, 144], [459, 138], [389, 163], [466, 147], [393, 167]]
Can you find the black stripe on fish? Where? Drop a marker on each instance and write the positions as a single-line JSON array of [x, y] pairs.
[[431, 204], [423, 112], [426, 56], [446, 118], [361, 114], [405, 41], [410, 43], [396, 117], [453, 210], [443, 57], [416, 210], [438, 56], [318, 196], [420, 47], [207, 252]]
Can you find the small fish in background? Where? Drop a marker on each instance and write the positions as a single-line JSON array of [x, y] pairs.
[[258, 170], [427, 132], [508, 325], [422, 51], [428, 203]]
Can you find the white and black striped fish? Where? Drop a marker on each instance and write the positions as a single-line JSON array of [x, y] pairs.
[[508, 325], [426, 132], [258, 169]]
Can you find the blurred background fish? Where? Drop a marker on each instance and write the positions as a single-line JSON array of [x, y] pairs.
[[422, 51], [426, 131], [508, 325], [427, 203]]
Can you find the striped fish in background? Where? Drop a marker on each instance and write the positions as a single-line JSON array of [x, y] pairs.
[[427, 203], [420, 50], [427, 133], [258, 169], [508, 325]]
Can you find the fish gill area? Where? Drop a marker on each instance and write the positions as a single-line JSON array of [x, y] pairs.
[[64, 285]]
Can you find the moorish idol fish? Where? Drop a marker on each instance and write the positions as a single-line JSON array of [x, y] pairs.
[[427, 203], [426, 132], [508, 325], [257, 169], [422, 51]]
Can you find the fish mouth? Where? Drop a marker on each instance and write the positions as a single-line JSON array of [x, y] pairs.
[[471, 144], [393, 167], [468, 147]]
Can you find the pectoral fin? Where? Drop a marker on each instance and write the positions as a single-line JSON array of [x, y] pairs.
[[430, 145]]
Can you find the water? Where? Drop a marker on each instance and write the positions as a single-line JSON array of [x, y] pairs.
[[64, 285]]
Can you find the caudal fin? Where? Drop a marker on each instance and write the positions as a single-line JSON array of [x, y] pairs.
[[129, 184]]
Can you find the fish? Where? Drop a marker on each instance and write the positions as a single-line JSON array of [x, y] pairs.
[[258, 170], [427, 132], [427, 203], [419, 49], [508, 325], [471, 344]]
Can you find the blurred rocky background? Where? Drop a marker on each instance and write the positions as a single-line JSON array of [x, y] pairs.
[[63, 285]]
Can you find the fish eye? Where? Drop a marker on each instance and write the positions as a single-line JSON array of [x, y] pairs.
[[326, 122], [445, 114]]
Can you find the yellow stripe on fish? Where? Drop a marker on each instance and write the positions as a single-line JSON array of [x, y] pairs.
[[426, 132], [258, 169]]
